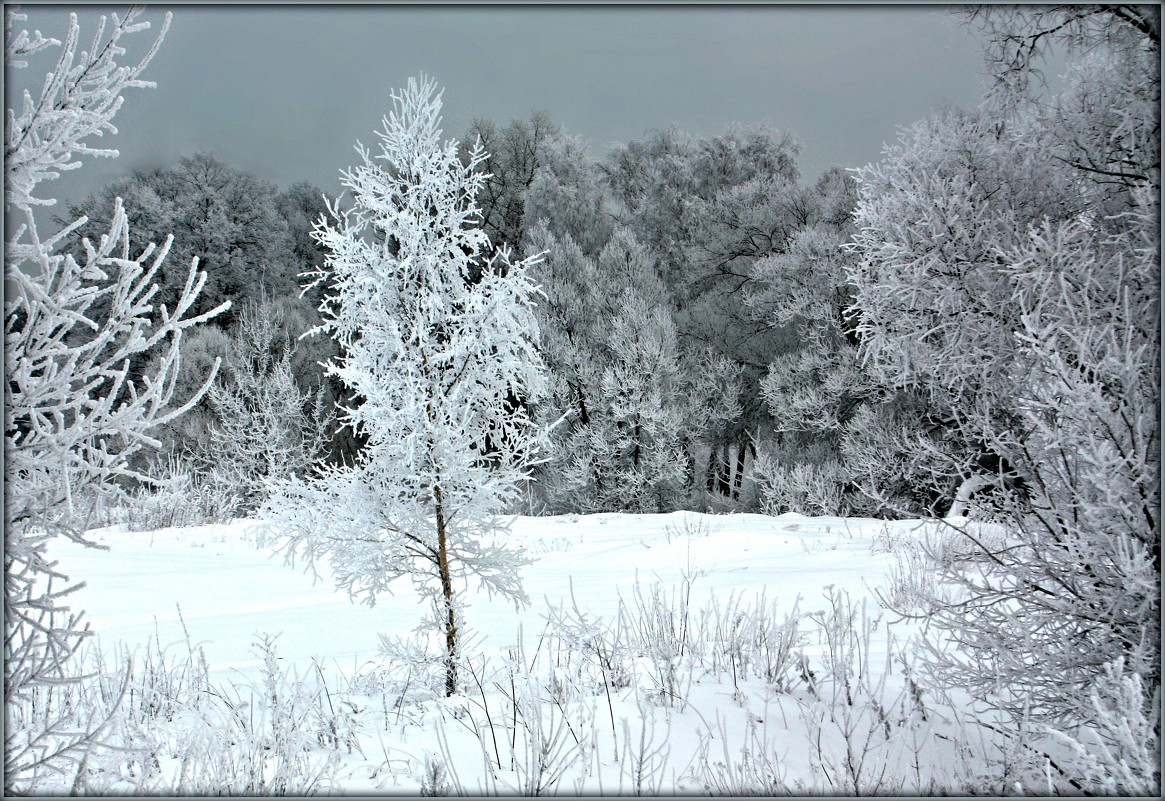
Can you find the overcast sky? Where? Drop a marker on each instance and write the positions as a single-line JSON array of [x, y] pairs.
[[285, 91]]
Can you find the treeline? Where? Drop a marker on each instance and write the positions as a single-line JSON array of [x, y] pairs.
[[715, 325], [694, 315]]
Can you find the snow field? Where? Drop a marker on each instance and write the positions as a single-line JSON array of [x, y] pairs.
[[660, 653]]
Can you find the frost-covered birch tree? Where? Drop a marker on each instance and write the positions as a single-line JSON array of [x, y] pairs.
[[73, 416], [436, 358]]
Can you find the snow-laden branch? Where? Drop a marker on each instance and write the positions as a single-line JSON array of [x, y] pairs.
[[77, 334]]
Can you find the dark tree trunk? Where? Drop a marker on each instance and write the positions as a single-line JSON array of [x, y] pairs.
[[723, 469], [738, 479], [635, 452]]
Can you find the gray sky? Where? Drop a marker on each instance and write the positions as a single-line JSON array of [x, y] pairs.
[[285, 91]]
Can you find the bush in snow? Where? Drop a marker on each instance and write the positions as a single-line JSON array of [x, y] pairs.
[[438, 339], [179, 494], [177, 733], [1120, 754], [801, 487]]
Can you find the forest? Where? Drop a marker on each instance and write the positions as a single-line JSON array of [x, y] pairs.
[[496, 325]]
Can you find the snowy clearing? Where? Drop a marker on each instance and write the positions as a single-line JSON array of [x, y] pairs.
[[548, 718]]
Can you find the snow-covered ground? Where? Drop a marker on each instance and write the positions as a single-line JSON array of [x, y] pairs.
[[648, 660]]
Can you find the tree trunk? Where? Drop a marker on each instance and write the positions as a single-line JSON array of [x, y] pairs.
[[635, 453], [738, 479], [723, 469], [583, 417], [689, 463], [442, 554], [447, 593]]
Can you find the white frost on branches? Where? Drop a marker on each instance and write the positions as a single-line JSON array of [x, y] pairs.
[[266, 428], [1010, 267], [76, 334], [80, 97]]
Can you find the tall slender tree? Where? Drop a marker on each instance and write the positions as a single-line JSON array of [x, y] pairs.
[[435, 353]]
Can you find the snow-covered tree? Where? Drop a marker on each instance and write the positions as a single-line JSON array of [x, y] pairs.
[[707, 210], [812, 391], [643, 394], [1010, 269], [514, 156], [73, 327], [836, 428], [567, 197], [628, 455], [251, 240], [437, 358], [265, 427], [570, 320], [1086, 444], [229, 219], [634, 406]]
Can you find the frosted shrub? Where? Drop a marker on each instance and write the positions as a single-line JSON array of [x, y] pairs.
[[857, 722], [547, 740], [752, 769], [183, 735], [1009, 269], [275, 738], [918, 581], [1119, 753], [605, 645], [911, 585], [165, 729], [57, 730], [754, 640], [804, 488], [434, 779], [531, 720], [412, 671], [661, 628], [178, 495]]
